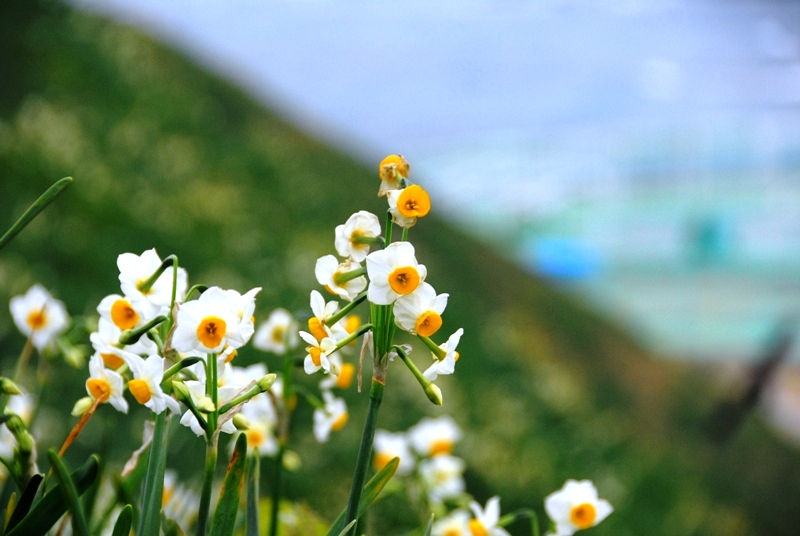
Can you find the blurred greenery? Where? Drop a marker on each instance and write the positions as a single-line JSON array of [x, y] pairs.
[[166, 155]]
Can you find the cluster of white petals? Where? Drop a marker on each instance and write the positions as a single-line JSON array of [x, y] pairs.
[[331, 418], [576, 506], [39, 316], [278, 334]]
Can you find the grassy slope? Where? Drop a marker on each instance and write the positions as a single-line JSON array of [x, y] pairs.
[[166, 156]]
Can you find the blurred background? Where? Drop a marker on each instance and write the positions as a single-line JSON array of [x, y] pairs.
[[617, 187]]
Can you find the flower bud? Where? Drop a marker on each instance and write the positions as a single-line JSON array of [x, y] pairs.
[[266, 382], [291, 461], [241, 422], [82, 406], [8, 387], [434, 394], [206, 405], [181, 391]]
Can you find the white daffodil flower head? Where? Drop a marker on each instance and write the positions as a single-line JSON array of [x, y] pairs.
[[318, 351], [455, 524], [387, 446], [146, 383], [105, 340], [393, 272], [105, 385], [341, 374], [391, 170], [433, 437], [120, 311], [421, 311], [485, 522], [447, 365], [328, 270], [136, 269], [360, 225], [278, 334], [322, 312], [575, 507], [39, 316], [244, 305], [408, 204], [330, 419], [443, 477], [208, 324]]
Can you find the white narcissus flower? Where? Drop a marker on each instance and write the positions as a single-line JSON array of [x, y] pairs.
[[136, 269], [349, 237], [391, 170], [432, 437], [393, 272], [456, 524], [408, 204], [120, 311], [575, 507], [330, 419], [421, 311], [39, 316], [322, 312], [442, 476], [106, 339], [244, 305], [447, 364], [278, 334], [485, 522], [105, 385], [317, 357], [328, 271], [208, 324], [146, 383], [388, 446]]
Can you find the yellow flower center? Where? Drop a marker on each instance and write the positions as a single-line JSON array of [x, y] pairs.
[[99, 388], [316, 328], [477, 528], [36, 319], [583, 515], [277, 334], [452, 532], [428, 323], [380, 460], [316, 355], [404, 280], [340, 421], [352, 323], [166, 495], [345, 376], [112, 361], [442, 446], [233, 353], [123, 315], [255, 437], [413, 202], [211, 331], [140, 391], [393, 166]]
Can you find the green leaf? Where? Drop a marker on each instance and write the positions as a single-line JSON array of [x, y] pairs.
[[170, 527], [70, 493], [40, 204], [49, 509], [429, 527], [252, 495], [348, 527], [25, 501], [153, 488], [228, 505], [371, 491], [124, 521]]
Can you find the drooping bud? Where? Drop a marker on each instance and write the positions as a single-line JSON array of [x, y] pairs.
[[241, 422], [82, 406], [434, 394], [8, 387], [266, 382], [181, 391]]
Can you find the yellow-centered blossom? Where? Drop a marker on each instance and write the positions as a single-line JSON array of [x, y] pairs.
[[135, 270], [393, 272], [330, 419], [329, 272], [391, 170], [146, 383], [447, 364], [208, 324], [105, 385], [576, 506], [485, 521], [421, 311], [39, 316], [433, 437], [408, 204], [389, 445], [317, 353], [352, 237], [278, 334]]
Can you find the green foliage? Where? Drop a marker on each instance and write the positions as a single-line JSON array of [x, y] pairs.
[[40, 204], [153, 487], [228, 506], [371, 491], [122, 527]]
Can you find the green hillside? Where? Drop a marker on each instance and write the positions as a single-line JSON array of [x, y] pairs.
[[165, 155]]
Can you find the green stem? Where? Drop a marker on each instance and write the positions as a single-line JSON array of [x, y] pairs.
[[276, 493], [205, 494], [341, 278], [182, 364], [211, 392], [371, 240], [148, 283], [364, 450], [423, 381], [252, 494], [344, 311], [153, 489], [353, 336], [404, 238], [196, 288], [39, 205], [438, 352], [388, 232], [253, 391], [133, 335]]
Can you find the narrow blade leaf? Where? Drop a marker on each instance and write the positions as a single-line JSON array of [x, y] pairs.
[[70, 493], [169, 527], [153, 488], [371, 492], [228, 505], [25, 502], [429, 527], [348, 527], [124, 520], [40, 204], [252, 496]]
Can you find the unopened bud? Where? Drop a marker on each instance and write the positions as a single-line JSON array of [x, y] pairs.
[[82, 406], [25, 442], [266, 382], [8, 387], [291, 461], [181, 391], [434, 394], [206, 405], [75, 357], [241, 422]]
